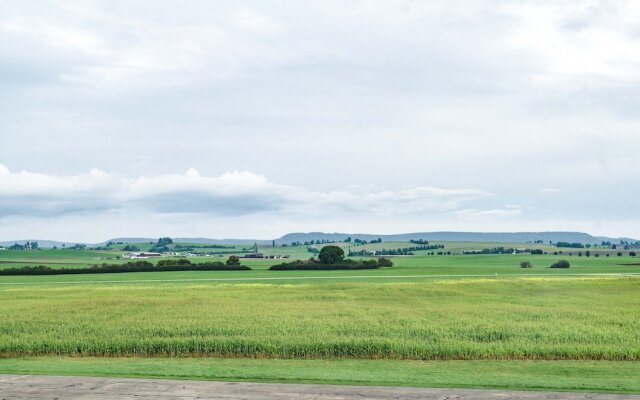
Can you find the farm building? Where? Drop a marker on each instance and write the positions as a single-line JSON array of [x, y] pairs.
[[141, 255], [254, 255], [261, 255]]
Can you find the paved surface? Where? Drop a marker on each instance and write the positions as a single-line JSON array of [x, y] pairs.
[[55, 387]]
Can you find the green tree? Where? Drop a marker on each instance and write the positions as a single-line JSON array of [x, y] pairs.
[[331, 255], [164, 241], [233, 260]]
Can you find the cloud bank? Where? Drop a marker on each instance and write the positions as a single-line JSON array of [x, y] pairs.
[[96, 205], [236, 193]]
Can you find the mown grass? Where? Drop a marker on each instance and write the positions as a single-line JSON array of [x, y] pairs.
[[511, 318], [590, 376]]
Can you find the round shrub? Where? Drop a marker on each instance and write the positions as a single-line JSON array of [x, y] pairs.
[[526, 264], [331, 255]]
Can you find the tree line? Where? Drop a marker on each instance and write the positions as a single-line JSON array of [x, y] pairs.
[[503, 250], [570, 245], [405, 251], [133, 266], [332, 258]]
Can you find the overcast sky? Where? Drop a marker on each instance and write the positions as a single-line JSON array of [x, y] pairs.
[[256, 118]]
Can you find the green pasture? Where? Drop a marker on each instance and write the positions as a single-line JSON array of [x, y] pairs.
[[405, 269]]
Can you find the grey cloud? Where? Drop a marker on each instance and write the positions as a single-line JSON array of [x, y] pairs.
[[195, 202], [47, 206], [231, 194]]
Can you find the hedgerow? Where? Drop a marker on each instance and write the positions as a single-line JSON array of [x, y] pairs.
[[133, 266], [314, 265]]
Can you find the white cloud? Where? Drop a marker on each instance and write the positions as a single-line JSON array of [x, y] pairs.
[[550, 190], [58, 36], [149, 56], [579, 41], [233, 193], [249, 19], [489, 215]]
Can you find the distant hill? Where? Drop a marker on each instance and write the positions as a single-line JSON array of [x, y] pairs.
[[189, 240], [502, 237], [41, 243]]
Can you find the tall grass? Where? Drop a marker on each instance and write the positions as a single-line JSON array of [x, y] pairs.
[[524, 318]]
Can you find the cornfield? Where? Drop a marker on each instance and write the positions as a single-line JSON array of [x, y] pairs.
[[519, 318]]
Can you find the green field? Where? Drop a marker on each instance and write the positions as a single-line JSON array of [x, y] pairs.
[[406, 269], [578, 376], [508, 318], [457, 312]]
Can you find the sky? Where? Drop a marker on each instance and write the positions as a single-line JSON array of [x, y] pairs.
[[252, 119]]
